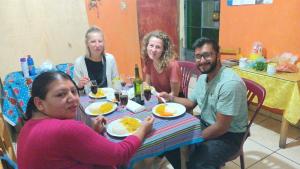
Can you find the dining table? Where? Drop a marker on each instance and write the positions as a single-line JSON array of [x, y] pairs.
[[17, 92], [282, 93], [167, 133]]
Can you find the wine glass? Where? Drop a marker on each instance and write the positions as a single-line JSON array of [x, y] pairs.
[[123, 99], [94, 86], [117, 95], [147, 94], [122, 81]]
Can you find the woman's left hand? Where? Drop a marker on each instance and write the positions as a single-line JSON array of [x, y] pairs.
[[99, 124]]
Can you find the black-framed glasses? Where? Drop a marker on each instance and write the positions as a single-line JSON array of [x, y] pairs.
[[204, 55]]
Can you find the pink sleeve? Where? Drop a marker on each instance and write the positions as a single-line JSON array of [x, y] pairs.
[[175, 74], [87, 146]]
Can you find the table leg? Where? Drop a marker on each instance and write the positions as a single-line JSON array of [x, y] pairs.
[[283, 132]]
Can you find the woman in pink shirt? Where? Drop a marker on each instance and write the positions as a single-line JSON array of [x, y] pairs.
[[52, 139], [160, 67]]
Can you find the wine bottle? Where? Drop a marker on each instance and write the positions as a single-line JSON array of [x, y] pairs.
[[138, 86]]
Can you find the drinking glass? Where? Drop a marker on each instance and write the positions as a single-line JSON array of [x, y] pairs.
[[147, 95], [147, 92], [94, 86], [123, 99], [117, 95]]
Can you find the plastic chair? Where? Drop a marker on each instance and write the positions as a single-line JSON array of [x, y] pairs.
[[254, 90], [187, 70], [231, 52]]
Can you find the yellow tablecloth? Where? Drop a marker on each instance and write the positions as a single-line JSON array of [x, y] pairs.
[[283, 91]]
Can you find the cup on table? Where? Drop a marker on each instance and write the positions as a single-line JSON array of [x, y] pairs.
[[147, 92], [117, 95], [94, 86], [123, 99], [271, 69]]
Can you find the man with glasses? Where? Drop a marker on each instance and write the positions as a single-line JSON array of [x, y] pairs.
[[222, 98]]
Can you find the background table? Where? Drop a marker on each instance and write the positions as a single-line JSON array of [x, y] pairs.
[[17, 93], [16, 96], [168, 134], [283, 92]]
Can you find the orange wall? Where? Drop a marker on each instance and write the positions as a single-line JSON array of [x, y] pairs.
[[120, 32], [276, 25]]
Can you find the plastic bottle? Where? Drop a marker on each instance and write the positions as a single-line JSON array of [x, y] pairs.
[[31, 67], [24, 67], [138, 86]]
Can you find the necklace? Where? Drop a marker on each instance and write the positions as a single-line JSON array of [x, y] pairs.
[[157, 67]]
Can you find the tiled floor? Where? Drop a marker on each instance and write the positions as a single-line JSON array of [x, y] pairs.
[[261, 149]]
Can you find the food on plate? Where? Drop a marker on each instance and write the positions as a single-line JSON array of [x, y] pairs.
[[131, 124], [119, 130], [164, 110], [99, 93], [101, 109]]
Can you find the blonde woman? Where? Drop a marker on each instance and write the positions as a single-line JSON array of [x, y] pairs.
[[160, 67], [96, 64]]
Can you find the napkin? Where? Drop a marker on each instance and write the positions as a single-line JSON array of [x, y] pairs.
[[134, 107]]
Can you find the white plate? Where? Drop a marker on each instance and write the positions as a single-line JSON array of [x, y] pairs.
[[88, 110], [116, 128], [175, 108], [130, 92], [107, 92]]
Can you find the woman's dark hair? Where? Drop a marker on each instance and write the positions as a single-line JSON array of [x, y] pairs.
[[202, 41], [40, 88]]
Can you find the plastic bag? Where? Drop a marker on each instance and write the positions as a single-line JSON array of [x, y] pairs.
[[46, 66], [286, 62]]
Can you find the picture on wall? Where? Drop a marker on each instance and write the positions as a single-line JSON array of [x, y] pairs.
[[248, 2]]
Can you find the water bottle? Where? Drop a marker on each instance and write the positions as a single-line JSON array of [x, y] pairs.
[[24, 67], [31, 67]]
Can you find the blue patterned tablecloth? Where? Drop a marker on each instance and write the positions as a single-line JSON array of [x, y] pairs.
[[17, 93], [16, 96]]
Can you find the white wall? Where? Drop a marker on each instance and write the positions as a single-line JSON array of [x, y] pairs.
[[47, 29]]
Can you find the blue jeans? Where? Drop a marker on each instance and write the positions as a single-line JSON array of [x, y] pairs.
[[213, 153]]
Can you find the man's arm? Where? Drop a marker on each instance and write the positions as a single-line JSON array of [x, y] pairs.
[[219, 128]]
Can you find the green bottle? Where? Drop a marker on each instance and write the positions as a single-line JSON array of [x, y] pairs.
[[138, 86]]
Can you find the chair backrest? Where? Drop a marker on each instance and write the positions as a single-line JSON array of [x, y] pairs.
[[232, 52], [255, 94], [187, 70], [5, 139]]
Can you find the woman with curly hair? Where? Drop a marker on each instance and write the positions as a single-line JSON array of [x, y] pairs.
[[162, 72], [160, 67]]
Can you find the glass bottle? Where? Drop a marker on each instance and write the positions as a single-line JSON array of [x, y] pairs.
[[138, 86]]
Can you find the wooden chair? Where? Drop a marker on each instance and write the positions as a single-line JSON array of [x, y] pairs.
[[254, 90], [6, 146], [233, 53], [187, 69]]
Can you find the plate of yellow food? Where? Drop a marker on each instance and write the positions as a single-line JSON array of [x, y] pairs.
[[102, 93], [100, 108], [168, 110], [123, 127]]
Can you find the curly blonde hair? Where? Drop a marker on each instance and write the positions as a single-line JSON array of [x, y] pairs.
[[92, 29], [168, 53]]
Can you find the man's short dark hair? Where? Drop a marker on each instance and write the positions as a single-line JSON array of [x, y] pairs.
[[199, 43]]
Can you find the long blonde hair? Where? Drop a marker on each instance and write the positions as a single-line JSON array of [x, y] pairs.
[[92, 29], [168, 53]]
